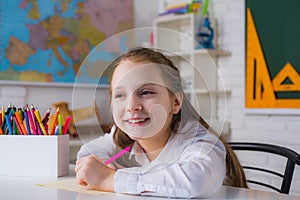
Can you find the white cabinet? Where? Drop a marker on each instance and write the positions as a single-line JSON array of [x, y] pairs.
[[174, 35]]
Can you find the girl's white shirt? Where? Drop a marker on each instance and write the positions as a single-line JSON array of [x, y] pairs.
[[191, 165]]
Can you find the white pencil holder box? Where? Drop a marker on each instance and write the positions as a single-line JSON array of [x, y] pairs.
[[33, 155]]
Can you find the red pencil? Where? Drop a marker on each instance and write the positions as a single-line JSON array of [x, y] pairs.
[[67, 124], [31, 121]]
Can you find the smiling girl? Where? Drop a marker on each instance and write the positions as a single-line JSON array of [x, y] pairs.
[[173, 153]]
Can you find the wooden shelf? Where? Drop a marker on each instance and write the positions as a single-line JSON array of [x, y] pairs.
[[173, 17], [205, 91], [211, 52]]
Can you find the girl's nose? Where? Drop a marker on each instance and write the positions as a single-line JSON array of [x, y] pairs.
[[134, 104]]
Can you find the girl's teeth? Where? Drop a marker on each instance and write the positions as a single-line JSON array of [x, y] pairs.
[[136, 120]]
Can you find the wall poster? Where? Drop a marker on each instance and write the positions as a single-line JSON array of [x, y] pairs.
[[272, 54], [47, 40]]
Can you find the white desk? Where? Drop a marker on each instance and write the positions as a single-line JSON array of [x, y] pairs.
[[24, 188]]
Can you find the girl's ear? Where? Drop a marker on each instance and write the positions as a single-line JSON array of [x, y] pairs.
[[177, 102]]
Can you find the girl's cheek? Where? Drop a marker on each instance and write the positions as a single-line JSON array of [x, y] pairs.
[[117, 108], [118, 113]]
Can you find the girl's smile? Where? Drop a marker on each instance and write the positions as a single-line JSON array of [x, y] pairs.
[[138, 121]]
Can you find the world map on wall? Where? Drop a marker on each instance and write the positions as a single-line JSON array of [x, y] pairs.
[[47, 40]]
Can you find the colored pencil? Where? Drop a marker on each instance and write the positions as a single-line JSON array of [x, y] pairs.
[[27, 122], [20, 123], [54, 122], [66, 125], [17, 124], [38, 117], [113, 158], [59, 119], [10, 131], [32, 125]]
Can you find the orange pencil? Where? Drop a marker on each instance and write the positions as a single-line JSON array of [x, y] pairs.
[[20, 121], [15, 118], [54, 122]]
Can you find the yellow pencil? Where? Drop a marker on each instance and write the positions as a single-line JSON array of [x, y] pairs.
[[2, 112], [38, 117]]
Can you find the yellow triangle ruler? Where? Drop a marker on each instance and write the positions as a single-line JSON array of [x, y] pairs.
[[260, 90], [287, 72]]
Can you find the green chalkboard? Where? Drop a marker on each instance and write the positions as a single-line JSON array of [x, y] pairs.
[[278, 27]]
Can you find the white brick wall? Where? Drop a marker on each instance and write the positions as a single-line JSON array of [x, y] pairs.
[[276, 129], [12, 94]]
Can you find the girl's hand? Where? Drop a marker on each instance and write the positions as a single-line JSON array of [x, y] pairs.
[[93, 174]]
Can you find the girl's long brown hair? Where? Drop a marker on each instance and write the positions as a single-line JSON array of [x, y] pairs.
[[234, 172]]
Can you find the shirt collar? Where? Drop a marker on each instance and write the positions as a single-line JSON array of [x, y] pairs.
[[139, 154]]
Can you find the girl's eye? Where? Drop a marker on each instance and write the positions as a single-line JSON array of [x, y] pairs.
[[146, 92], [118, 95]]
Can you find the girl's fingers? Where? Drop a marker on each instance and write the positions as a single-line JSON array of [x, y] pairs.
[[81, 179], [81, 169], [82, 182], [77, 167], [79, 174], [79, 163]]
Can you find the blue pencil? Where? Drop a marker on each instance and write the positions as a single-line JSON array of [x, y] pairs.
[[57, 128], [9, 112], [27, 123], [8, 125]]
